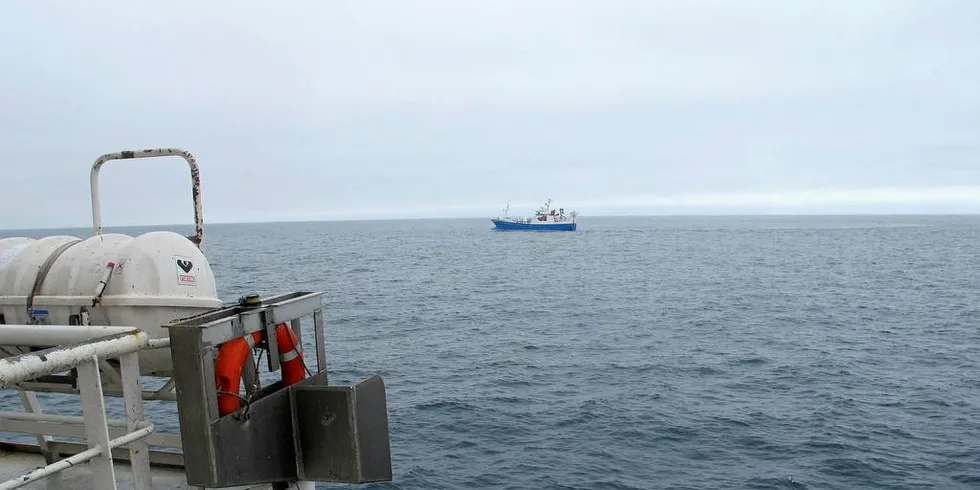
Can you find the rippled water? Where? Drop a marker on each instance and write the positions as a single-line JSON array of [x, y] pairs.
[[762, 352]]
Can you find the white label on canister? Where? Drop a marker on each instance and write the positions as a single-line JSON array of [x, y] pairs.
[[185, 271]]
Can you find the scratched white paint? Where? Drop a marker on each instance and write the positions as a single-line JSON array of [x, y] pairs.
[[29, 366], [55, 335]]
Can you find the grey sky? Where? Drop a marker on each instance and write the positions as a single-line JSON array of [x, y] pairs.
[[314, 110]]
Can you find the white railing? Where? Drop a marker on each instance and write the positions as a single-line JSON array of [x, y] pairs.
[[87, 346]]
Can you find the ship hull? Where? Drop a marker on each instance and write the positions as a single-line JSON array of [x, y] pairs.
[[541, 226]]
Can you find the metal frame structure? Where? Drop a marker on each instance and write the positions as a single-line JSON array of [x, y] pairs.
[[198, 237], [306, 431], [89, 345]]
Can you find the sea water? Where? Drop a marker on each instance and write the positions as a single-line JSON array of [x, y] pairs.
[[644, 352]]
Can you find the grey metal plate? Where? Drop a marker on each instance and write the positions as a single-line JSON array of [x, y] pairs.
[[258, 450], [342, 432], [371, 417]]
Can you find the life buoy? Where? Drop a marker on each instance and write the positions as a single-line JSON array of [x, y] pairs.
[[232, 357]]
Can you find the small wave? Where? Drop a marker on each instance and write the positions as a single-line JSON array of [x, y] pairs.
[[464, 444], [445, 405], [734, 422], [634, 368], [579, 419], [677, 434], [786, 482], [849, 467], [708, 371], [750, 361], [830, 445], [513, 383], [508, 399], [972, 480]]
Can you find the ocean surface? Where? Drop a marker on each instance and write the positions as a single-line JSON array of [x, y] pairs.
[[645, 352]]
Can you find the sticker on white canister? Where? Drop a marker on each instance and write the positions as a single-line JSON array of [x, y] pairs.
[[185, 266], [40, 317]]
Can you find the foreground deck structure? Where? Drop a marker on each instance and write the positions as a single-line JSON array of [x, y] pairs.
[[94, 318]]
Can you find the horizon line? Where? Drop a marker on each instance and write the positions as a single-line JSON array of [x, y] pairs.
[[435, 218]]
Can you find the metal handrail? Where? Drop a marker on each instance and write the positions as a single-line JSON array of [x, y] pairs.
[[87, 346], [198, 237], [76, 459], [32, 365], [53, 335]]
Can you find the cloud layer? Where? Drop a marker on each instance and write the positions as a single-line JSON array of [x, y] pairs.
[[314, 110]]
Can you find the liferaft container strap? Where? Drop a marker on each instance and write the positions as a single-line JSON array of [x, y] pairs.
[[41, 274]]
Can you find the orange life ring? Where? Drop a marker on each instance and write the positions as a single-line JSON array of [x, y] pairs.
[[233, 354]]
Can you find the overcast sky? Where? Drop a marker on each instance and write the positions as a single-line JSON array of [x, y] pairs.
[[353, 109]]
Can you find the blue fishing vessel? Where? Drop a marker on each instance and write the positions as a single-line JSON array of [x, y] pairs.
[[544, 219]]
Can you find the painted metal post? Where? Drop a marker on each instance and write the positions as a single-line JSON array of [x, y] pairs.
[[96, 425], [31, 405], [297, 325], [250, 374], [139, 451], [321, 349]]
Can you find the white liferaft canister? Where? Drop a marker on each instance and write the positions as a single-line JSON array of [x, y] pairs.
[[153, 278]]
